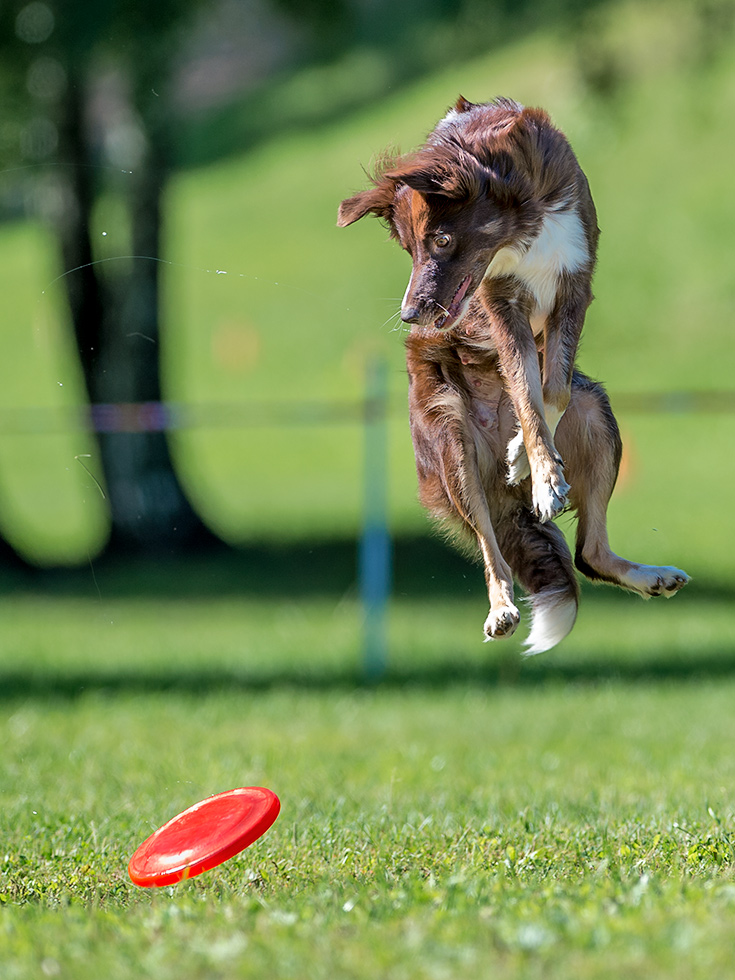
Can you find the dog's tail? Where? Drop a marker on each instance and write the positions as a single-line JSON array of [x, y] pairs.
[[542, 563], [553, 613]]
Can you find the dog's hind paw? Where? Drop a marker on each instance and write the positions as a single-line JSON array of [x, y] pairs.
[[517, 459], [501, 622], [655, 580]]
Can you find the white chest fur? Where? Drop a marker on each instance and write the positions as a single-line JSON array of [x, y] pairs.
[[560, 246]]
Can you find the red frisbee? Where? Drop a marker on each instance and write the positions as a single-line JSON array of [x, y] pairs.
[[204, 836]]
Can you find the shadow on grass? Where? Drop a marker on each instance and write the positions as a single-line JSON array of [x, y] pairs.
[[302, 568], [656, 666], [423, 567], [18, 684]]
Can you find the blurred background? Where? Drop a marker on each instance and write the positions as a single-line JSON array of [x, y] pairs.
[[187, 337]]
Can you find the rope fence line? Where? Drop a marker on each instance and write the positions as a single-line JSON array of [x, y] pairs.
[[132, 417], [175, 416]]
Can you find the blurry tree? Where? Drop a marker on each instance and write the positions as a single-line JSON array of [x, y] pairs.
[[92, 82], [54, 56]]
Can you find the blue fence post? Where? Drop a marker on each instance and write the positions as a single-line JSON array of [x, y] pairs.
[[375, 544]]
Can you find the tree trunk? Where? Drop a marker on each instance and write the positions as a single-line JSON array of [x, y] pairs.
[[116, 324], [77, 177]]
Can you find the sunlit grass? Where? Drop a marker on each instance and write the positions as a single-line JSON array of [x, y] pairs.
[[49, 508], [551, 831]]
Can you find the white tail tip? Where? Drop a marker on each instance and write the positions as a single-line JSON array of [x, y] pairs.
[[553, 615]]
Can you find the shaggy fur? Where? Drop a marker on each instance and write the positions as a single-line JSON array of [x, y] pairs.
[[497, 216]]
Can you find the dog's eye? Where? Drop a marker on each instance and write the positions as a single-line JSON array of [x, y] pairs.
[[441, 241]]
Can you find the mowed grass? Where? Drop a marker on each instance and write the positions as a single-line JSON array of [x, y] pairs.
[[550, 830], [472, 814], [66, 645]]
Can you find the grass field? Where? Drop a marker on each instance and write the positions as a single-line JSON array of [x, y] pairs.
[[472, 815], [572, 815]]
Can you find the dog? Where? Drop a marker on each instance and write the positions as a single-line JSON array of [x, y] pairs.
[[499, 221], [495, 208]]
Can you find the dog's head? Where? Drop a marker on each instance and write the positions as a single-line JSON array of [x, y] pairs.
[[452, 212]]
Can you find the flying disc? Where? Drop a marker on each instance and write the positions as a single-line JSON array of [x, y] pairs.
[[205, 835]]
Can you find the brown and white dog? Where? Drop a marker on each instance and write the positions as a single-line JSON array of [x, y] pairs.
[[498, 218]]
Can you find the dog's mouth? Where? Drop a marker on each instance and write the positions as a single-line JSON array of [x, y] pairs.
[[456, 307]]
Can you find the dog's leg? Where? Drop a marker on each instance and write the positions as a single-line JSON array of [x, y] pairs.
[[589, 438], [450, 485], [503, 617], [463, 489], [519, 364], [562, 331]]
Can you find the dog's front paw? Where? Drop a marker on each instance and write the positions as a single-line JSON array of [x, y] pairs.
[[501, 622], [517, 459], [550, 494]]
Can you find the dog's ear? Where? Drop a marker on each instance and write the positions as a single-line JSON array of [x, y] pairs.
[[463, 105], [376, 200], [425, 180], [454, 174]]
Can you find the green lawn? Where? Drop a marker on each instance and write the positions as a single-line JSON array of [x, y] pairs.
[[442, 825], [571, 815]]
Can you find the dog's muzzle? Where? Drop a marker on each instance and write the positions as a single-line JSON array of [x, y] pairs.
[[430, 313], [456, 307]]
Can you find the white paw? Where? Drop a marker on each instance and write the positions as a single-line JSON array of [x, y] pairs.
[[550, 496], [654, 580], [517, 458], [501, 622]]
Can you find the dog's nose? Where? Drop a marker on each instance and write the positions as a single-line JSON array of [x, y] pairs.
[[410, 314]]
